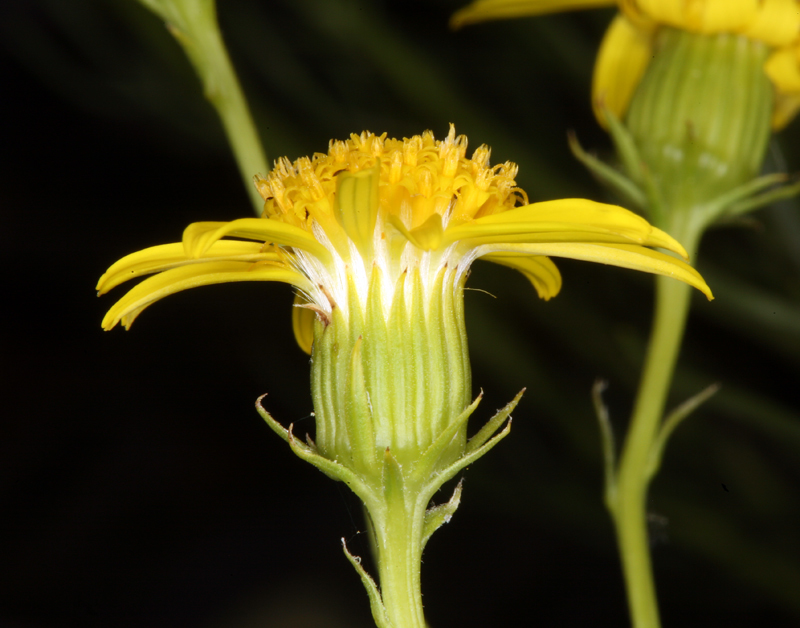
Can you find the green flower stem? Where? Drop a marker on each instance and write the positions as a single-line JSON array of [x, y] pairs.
[[223, 90], [194, 24], [628, 503], [399, 540], [692, 143]]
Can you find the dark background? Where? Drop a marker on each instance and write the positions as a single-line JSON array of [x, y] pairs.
[[139, 488]]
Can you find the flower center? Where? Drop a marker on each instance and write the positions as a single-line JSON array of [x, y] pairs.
[[379, 202]]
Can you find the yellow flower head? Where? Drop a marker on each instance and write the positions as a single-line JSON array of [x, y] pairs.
[[629, 42], [374, 209]]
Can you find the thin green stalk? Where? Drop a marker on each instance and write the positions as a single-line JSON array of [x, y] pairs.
[[399, 541], [693, 148], [194, 24], [222, 89], [629, 503]]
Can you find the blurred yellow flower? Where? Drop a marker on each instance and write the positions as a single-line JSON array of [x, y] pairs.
[[377, 210], [628, 45]]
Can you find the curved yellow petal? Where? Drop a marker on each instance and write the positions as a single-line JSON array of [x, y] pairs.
[[538, 269], [176, 279], [566, 220], [626, 256], [777, 23], [483, 10], [356, 205], [663, 240], [702, 16], [428, 236], [624, 54], [783, 69], [715, 16], [303, 323], [787, 106], [199, 236], [158, 258], [637, 16]]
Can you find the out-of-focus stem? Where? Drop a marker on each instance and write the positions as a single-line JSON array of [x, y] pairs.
[[194, 24], [629, 503]]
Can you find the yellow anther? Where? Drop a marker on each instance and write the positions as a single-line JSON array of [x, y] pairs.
[[395, 167], [263, 187], [411, 148], [375, 147], [338, 151], [480, 158], [425, 182], [313, 188]]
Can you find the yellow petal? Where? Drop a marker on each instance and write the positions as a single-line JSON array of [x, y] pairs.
[[777, 23], [626, 256], [303, 323], [637, 16], [539, 270], [702, 16], [199, 236], [428, 236], [786, 108], [720, 16], [176, 279], [621, 61], [566, 220], [783, 69], [158, 258], [663, 240], [356, 206], [483, 10]]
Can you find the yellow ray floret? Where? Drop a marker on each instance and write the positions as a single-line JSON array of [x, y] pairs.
[[200, 236], [566, 220], [160, 258], [538, 269], [621, 62], [175, 280], [373, 209], [625, 256]]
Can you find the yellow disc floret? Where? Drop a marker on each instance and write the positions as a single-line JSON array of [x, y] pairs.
[[424, 185]]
